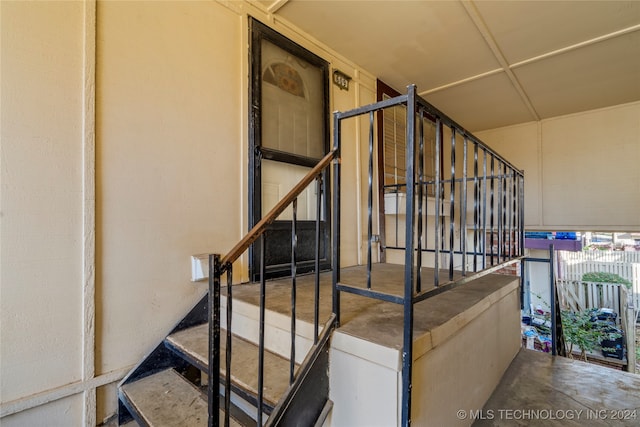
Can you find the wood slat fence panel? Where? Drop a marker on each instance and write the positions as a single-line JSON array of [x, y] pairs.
[[573, 265]]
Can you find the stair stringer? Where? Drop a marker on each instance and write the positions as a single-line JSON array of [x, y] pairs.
[[306, 401], [161, 357]]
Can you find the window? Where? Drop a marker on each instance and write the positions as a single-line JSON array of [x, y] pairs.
[[392, 129]]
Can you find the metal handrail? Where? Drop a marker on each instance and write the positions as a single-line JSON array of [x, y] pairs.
[[220, 265], [261, 226]]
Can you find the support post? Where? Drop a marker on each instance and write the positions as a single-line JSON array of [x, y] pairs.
[[552, 285], [629, 318], [214, 340], [407, 346]]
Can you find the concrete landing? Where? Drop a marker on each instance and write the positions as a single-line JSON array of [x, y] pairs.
[[542, 390], [377, 321]]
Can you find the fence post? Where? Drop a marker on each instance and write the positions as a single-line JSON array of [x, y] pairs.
[[629, 327], [552, 283]]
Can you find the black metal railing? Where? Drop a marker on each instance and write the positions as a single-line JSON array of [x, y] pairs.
[[223, 265], [467, 216], [468, 242]]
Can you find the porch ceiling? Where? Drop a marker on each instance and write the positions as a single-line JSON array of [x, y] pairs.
[[486, 63]]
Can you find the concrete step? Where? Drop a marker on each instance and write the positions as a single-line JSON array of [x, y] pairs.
[[167, 399], [193, 345]]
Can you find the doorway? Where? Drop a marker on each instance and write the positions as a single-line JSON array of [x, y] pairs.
[[288, 135]]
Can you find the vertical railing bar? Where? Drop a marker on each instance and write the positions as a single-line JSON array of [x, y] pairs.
[[452, 202], [370, 201], [508, 224], [294, 247], [213, 305], [335, 247], [522, 225], [420, 200], [484, 209], [425, 160], [463, 208], [505, 189], [500, 190], [316, 305], [505, 223], [476, 207], [263, 288], [514, 209], [227, 382], [492, 206], [521, 213], [407, 345], [438, 189], [516, 213]]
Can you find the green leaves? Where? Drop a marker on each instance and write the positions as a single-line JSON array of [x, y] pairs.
[[580, 330], [604, 277]]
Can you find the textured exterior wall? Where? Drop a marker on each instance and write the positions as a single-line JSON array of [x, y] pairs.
[[581, 170]]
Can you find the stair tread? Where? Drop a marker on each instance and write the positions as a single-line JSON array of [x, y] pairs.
[[167, 399], [194, 343]]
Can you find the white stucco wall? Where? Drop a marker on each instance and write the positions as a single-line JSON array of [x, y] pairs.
[[41, 258], [581, 170]]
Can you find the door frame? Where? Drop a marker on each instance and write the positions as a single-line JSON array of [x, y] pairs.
[[258, 32]]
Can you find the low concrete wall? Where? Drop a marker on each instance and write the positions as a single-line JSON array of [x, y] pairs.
[[457, 365], [461, 373]]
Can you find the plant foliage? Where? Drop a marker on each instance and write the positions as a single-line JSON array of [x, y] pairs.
[[604, 277], [580, 330]]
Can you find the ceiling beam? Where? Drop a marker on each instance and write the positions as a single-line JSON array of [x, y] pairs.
[[459, 82], [585, 43], [488, 37], [276, 6]]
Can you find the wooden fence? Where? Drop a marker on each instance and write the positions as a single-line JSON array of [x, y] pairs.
[[573, 265], [577, 295]]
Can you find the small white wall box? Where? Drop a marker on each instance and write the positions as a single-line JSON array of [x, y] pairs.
[[199, 267]]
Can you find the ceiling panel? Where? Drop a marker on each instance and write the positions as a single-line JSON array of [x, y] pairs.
[[459, 52], [401, 42], [596, 76], [525, 29], [470, 105]]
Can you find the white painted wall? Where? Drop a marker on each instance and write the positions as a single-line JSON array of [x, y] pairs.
[[581, 170], [462, 372], [42, 206], [169, 81]]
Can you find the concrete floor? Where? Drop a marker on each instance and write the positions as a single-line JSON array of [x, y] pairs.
[[370, 319], [542, 390]]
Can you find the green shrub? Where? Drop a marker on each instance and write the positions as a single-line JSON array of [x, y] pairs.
[[603, 277], [580, 330]]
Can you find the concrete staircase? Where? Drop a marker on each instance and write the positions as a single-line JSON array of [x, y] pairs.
[[169, 387]]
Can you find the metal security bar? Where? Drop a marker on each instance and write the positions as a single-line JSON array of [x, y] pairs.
[[223, 265], [467, 218]]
